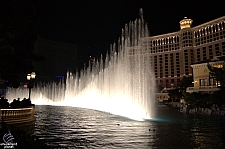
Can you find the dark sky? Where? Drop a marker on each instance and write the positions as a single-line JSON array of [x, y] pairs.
[[98, 23]]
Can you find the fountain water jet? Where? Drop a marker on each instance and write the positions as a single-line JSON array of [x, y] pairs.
[[124, 84]]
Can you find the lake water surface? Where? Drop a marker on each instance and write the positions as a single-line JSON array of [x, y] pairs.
[[71, 127]]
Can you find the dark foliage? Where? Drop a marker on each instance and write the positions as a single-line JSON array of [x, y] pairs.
[[186, 82], [175, 95], [194, 100], [17, 36], [218, 74]]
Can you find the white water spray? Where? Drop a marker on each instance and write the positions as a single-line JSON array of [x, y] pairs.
[[123, 85]]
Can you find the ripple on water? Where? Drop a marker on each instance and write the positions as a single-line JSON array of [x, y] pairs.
[[70, 127]]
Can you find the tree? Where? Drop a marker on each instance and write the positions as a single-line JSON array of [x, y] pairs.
[[175, 94], [186, 82], [193, 100], [217, 73], [159, 88], [17, 36]]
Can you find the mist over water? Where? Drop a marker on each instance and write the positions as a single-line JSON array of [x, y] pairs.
[[123, 84]]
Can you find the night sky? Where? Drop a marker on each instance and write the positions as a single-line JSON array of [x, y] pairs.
[[98, 23]]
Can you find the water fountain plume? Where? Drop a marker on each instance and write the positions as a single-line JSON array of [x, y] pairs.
[[123, 85]]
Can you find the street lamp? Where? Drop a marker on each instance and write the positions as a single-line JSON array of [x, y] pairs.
[[30, 77]]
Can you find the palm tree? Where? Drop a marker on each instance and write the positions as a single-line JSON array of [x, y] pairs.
[[218, 74]]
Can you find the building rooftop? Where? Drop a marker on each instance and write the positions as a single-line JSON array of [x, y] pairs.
[[185, 23], [216, 58]]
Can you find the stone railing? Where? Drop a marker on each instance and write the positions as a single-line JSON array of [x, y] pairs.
[[15, 115], [202, 88], [204, 111]]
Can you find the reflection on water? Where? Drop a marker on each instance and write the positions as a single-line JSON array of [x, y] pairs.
[[69, 127]]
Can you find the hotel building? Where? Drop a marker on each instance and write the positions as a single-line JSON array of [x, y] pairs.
[[172, 54], [202, 80]]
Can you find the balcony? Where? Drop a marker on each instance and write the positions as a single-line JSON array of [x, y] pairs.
[[16, 115], [202, 89], [18, 120]]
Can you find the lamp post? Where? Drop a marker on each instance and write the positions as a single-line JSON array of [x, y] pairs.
[[30, 77]]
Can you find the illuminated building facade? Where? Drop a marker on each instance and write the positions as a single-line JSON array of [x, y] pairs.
[[172, 54], [202, 80]]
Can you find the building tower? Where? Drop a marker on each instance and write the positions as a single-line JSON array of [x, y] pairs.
[[186, 45]]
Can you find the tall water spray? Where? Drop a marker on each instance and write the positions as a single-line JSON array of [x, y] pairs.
[[123, 84]]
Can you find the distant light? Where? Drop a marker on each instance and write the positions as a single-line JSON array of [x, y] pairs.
[[28, 76], [59, 77], [33, 75]]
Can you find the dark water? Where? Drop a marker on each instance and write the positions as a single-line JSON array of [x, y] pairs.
[[69, 127]]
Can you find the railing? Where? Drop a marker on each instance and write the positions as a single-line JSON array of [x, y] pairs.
[[207, 87], [202, 88], [10, 115]]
